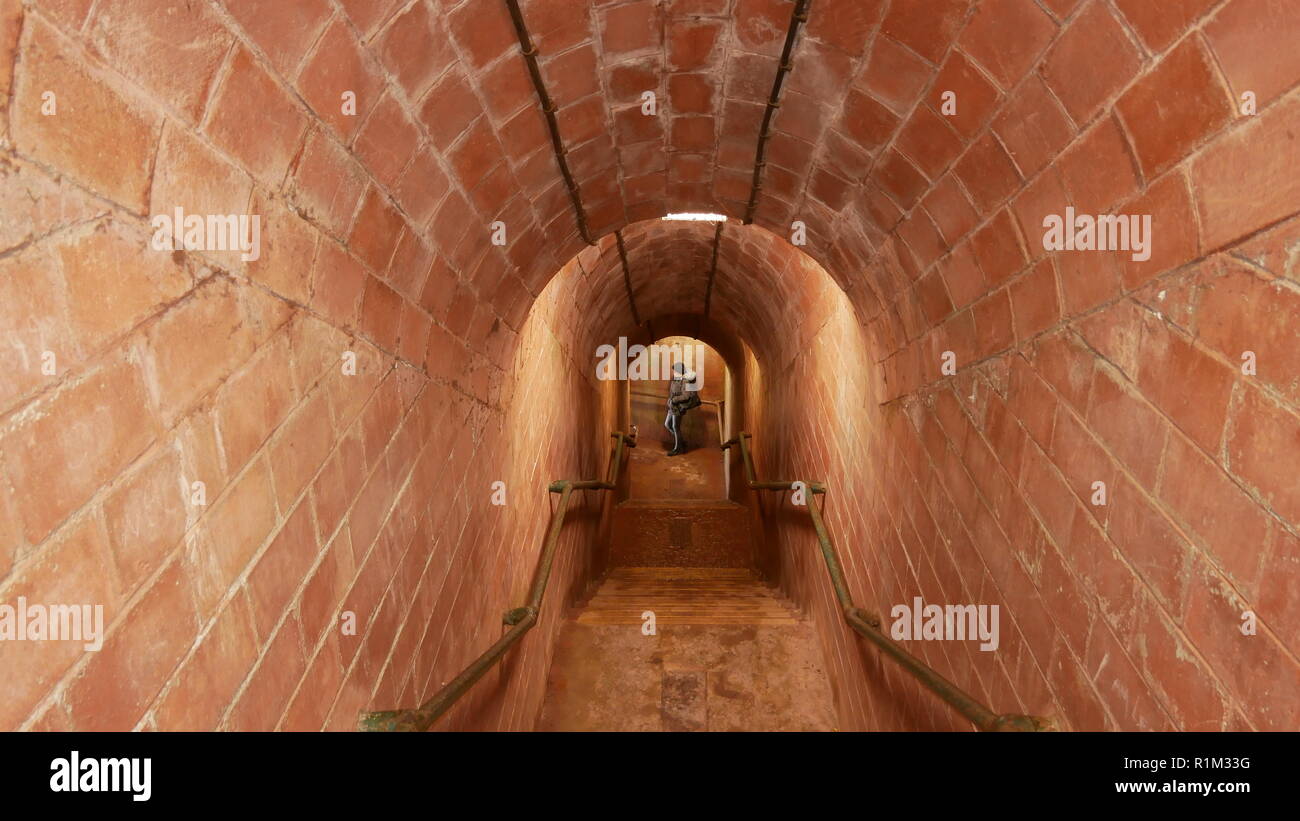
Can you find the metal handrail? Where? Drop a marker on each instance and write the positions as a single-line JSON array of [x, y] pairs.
[[867, 624], [521, 619], [717, 410]]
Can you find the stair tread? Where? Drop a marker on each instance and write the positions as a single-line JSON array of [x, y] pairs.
[[693, 572], [678, 504], [668, 620], [635, 595], [687, 595], [676, 595], [685, 584], [686, 600], [666, 604]]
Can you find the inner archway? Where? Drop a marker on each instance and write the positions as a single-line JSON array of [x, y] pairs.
[[699, 471]]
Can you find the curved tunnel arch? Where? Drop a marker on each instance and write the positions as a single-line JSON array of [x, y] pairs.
[[825, 166], [761, 283], [785, 327]]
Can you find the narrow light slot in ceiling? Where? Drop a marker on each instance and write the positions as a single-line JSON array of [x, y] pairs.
[[694, 217]]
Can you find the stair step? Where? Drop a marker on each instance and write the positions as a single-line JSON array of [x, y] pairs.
[[686, 595], [694, 619], [681, 533], [682, 573], [641, 593], [680, 504]]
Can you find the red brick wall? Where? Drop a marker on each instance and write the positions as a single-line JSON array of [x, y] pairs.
[[553, 421], [371, 492], [1074, 367], [325, 491]]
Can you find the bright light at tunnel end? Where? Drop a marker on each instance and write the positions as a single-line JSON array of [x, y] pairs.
[[689, 216]]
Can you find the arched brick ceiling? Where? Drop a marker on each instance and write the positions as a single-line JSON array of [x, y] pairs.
[[765, 290], [711, 64], [913, 213]]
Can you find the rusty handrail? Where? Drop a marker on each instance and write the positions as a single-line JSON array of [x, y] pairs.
[[867, 624], [717, 410], [521, 619]]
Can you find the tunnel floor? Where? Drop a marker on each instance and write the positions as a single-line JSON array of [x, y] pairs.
[[695, 474], [682, 634], [727, 655]]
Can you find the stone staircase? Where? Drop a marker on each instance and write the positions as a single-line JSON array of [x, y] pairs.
[[686, 595], [726, 653], [681, 533]]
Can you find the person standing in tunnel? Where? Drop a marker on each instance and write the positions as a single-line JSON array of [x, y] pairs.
[[683, 394]]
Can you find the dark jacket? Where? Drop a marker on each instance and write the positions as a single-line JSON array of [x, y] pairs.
[[680, 397]]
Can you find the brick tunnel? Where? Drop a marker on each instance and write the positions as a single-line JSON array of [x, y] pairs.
[[301, 303]]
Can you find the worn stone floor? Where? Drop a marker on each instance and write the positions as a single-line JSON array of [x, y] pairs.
[[727, 653], [693, 674], [696, 474], [681, 533]]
